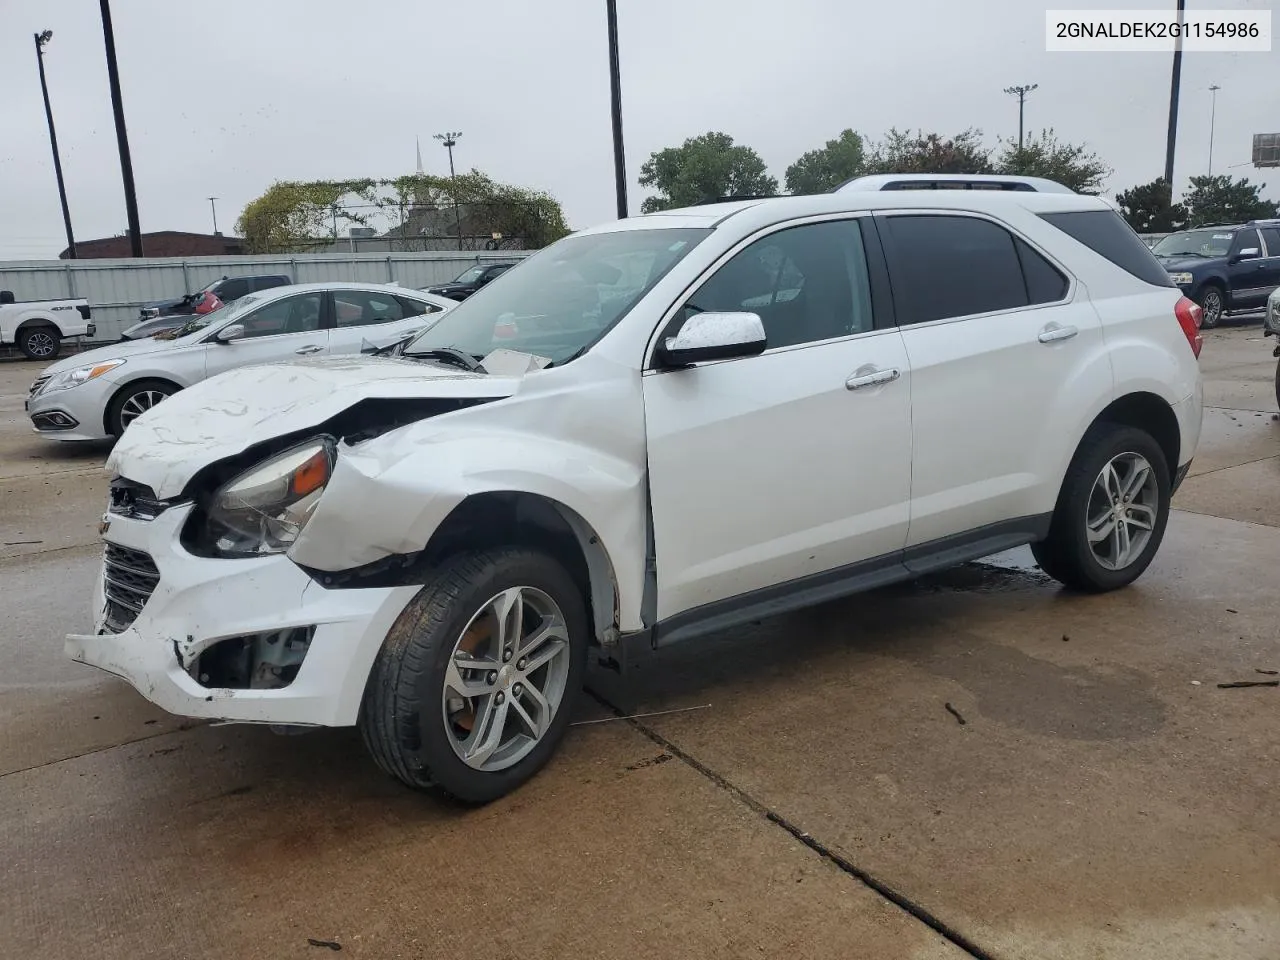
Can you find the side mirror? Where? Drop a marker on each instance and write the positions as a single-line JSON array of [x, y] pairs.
[[232, 331], [713, 336], [1248, 253]]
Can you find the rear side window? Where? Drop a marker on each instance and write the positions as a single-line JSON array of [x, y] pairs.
[[1272, 237], [230, 290], [1106, 234], [948, 266], [263, 283]]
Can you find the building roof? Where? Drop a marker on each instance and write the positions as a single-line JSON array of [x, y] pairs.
[[162, 243]]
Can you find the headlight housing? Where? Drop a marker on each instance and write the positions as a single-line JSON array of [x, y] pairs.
[[262, 510], [73, 378], [1181, 279]]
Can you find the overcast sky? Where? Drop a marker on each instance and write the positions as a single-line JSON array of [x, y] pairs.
[[223, 98]]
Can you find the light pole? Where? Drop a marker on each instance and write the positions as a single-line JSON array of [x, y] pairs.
[[450, 140], [1021, 94], [615, 103], [41, 40], [1213, 113], [1175, 84], [122, 137], [214, 210]]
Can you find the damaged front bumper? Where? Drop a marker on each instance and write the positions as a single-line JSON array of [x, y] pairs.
[[191, 607]]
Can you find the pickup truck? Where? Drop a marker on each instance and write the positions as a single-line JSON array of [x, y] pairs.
[[38, 327]]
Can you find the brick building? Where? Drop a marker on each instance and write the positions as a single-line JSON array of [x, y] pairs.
[[162, 243]]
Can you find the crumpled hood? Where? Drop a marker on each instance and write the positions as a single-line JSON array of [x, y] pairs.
[[225, 415]]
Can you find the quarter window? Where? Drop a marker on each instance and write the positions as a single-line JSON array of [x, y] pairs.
[[1045, 284], [1271, 235], [416, 308], [806, 283]]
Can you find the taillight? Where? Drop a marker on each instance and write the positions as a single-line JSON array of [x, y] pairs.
[[1189, 316]]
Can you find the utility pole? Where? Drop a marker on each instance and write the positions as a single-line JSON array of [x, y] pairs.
[[1021, 94], [1174, 84], [615, 102], [122, 136], [41, 40], [450, 140], [1213, 113], [214, 210]]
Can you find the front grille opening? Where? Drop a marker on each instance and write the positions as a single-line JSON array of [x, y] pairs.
[[54, 420], [259, 661], [129, 578]]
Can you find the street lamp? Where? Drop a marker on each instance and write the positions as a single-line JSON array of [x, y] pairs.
[[214, 210], [1021, 94], [122, 136], [1213, 113], [450, 140], [1175, 84], [41, 39], [615, 103]]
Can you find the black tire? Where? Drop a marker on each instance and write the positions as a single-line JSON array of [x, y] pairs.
[[40, 342], [118, 416], [1213, 304], [401, 715], [1066, 554], [1278, 384]]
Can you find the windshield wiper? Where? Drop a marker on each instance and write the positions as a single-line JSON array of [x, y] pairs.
[[459, 357]]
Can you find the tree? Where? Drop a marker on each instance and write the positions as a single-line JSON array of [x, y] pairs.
[[292, 215], [900, 152], [1224, 200], [1149, 208], [703, 169], [821, 170], [1068, 164]]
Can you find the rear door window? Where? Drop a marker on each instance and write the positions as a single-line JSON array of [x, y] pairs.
[[1271, 236], [1246, 240], [953, 266], [1106, 234]]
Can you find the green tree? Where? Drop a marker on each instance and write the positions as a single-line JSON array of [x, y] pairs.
[[1224, 200], [703, 169], [821, 170], [901, 152], [1045, 156], [1149, 208], [292, 215]]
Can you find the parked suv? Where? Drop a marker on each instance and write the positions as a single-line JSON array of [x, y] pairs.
[[226, 289], [470, 280], [655, 429], [1224, 269]]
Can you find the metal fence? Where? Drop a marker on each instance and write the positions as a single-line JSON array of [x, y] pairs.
[[116, 289]]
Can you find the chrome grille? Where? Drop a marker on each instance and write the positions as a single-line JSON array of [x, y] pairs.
[[129, 578]]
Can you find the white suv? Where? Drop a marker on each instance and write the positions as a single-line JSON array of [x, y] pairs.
[[651, 430]]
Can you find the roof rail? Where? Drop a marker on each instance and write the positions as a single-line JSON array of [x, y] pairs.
[[952, 181]]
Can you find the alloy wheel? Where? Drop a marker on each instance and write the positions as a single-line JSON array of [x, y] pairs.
[[138, 404], [1122, 510], [506, 678], [41, 344]]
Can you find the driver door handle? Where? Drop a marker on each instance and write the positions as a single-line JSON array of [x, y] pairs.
[[872, 379], [1054, 332], [314, 348]]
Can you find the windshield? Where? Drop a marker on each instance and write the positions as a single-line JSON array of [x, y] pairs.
[[200, 321], [470, 275], [562, 299], [1194, 243]]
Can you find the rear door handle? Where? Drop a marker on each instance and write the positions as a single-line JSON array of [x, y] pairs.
[[872, 379], [311, 349], [1055, 332]]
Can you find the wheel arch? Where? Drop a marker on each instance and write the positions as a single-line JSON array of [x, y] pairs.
[[122, 387], [1150, 413]]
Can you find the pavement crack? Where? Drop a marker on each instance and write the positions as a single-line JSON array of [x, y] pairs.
[[103, 749], [1232, 466], [838, 860]]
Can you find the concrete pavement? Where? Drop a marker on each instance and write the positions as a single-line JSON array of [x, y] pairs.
[[1103, 797]]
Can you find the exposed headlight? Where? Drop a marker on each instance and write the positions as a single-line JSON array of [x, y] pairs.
[[1181, 279], [73, 378], [263, 510]]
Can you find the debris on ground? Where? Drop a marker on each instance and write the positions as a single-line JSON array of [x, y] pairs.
[[1065, 638], [955, 713], [1230, 610], [1267, 673], [1248, 683], [651, 761], [21, 543], [331, 944]]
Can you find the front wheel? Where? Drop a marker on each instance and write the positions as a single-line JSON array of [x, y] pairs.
[[135, 400], [1212, 306], [1111, 512], [475, 683]]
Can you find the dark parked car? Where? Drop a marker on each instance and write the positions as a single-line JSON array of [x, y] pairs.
[[470, 280], [226, 289], [1225, 268]]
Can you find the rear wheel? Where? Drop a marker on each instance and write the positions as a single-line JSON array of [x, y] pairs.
[[134, 400], [1111, 513], [473, 688], [1212, 306], [39, 343]]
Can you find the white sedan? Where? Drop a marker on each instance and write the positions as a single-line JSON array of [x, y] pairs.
[[96, 394]]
